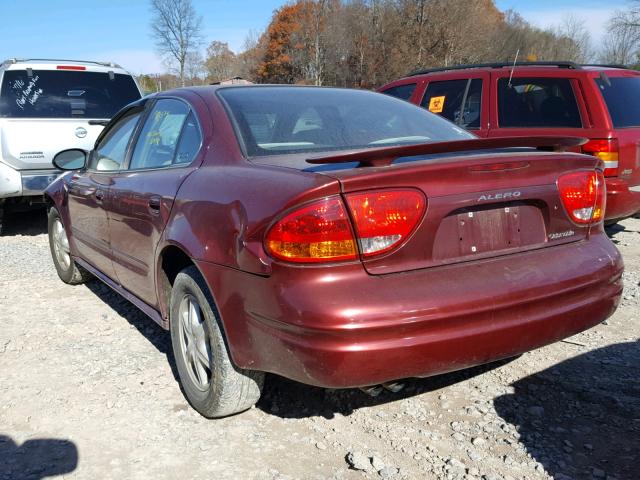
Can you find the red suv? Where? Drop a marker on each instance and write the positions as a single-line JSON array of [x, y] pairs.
[[599, 102]]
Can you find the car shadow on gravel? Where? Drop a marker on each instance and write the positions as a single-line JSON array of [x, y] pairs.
[[581, 418], [156, 335], [36, 458], [29, 223], [613, 230], [288, 399]]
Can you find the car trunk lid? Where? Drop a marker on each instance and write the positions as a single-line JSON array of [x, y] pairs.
[[479, 205]]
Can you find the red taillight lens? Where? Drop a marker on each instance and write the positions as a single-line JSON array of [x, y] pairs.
[[317, 232], [385, 218], [583, 196], [607, 151]]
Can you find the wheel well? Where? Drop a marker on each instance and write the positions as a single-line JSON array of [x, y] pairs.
[[172, 261]]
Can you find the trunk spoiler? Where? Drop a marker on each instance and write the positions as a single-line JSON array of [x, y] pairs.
[[385, 156]]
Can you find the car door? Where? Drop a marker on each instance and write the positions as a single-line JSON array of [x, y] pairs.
[[462, 99], [89, 190], [142, 195]]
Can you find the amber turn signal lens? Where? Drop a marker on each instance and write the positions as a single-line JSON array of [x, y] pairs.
[[317, 232]]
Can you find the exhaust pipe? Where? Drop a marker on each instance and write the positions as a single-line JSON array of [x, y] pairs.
[[375, 390]]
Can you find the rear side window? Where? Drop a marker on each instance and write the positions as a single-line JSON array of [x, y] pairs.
[[537, 102], [64, 94], [456, 100], [622, 96], [403, 92], [156, 146]]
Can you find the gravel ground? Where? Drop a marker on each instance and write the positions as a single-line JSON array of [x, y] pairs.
[[88, 391]]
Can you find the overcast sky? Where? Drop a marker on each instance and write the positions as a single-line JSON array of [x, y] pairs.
[[118, 30]]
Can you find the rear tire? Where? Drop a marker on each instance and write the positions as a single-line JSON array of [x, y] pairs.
[[68, 271], [212, 384]]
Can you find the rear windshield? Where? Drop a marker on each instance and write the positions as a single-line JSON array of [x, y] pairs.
[[64, 94], [281, 120], [622, 96]]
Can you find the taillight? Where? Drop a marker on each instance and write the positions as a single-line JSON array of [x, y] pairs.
[[606, 150], [317, 232], [384, 218], [583, 195]]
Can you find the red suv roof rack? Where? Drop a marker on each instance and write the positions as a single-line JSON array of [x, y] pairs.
[[559, 64]]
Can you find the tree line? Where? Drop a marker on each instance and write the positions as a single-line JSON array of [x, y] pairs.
[[366, 43]]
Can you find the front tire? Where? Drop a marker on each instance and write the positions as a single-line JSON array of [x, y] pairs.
[[68, 271], [212, 384]]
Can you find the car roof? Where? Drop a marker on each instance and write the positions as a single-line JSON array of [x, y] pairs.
[[52, 64], [519, 66]]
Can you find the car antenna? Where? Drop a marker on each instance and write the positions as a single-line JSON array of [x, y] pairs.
[[512, 67]]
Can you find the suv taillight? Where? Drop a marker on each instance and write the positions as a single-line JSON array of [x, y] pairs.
[[321, 231], [606, 150], [583, 195]]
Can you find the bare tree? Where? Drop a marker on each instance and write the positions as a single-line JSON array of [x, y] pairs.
[[176, 28], [622, 42], [573, 40], [221, 62]]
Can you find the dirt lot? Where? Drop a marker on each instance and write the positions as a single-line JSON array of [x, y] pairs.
[[88, 391]]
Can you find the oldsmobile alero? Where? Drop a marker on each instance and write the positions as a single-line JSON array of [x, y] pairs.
[[339, 238]]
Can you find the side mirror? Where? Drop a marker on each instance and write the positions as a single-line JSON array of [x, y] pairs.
[[73, 159]]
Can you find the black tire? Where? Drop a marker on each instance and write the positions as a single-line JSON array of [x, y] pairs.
[[70, 272], [229, 389]]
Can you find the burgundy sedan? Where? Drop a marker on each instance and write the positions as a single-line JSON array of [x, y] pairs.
[[339, 238]]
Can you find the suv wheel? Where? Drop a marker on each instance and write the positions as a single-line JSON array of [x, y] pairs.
[[68, 271], [212, 384]]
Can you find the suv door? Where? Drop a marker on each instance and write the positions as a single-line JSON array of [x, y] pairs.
[[548, 102], [462, 99], [89, 190], [142, 195]]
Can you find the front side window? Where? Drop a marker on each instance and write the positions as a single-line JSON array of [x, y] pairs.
[[110, 153], [455, 100], [279, 120], [158, 140], [403, 92], [537, 102], [65, 94]]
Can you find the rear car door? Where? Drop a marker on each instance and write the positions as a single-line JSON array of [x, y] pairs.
[[89, 190], [545, 102], [464, 100], [142, 194]]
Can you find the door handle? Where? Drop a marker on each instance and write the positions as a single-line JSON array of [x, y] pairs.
[[154, 205], [99, 196]]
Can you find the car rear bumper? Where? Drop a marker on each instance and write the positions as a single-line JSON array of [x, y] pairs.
[[622, 201], [341, 327], [18, 183]]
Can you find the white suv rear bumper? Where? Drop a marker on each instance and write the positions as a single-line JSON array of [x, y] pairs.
[[14, 183]]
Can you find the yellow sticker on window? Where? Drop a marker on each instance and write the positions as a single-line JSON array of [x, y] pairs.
[[436, 104]]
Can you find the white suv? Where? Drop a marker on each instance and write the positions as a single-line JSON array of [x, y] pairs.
[[47, 106]]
